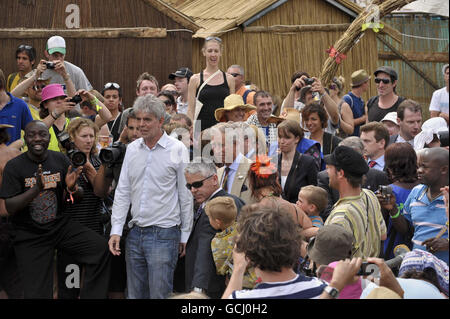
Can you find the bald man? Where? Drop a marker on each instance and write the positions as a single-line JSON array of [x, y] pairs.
[[425, 207]]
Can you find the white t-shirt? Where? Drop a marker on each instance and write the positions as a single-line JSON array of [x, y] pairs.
[[439, 101]]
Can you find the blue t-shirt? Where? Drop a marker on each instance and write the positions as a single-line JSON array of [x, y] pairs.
[[357, 106], [428, 218], [401, 195], [15, 113]]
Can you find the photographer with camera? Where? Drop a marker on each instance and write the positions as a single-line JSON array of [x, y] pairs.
[[401, 167], [82, 151], [55, 52]]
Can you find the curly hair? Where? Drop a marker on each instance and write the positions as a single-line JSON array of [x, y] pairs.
[[318, 108], [77, 124], [268, 237], [401, 162]]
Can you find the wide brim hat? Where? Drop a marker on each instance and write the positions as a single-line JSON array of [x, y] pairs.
[[231, 102], [51, 91], [359, 77], [391, 117], [289, 113]]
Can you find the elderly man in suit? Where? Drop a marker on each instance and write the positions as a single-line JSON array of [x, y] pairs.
[[200, 270], [228, 148]]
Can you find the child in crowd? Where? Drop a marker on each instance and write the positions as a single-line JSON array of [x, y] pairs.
[[312, 200], [222, 214]]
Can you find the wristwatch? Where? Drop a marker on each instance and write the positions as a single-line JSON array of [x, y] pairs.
[[333, 292]]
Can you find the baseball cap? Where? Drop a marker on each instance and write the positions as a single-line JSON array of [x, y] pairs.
[[391, 116], [56, 44], [387, 70], [349, 160], [181, 73], [332, 243]]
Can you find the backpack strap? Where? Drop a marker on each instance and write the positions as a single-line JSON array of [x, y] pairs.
[[11, 79], [246, 93]]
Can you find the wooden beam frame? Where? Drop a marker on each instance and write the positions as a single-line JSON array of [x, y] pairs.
[[436, 57], [99, 33], [407, 61], [298, 28]]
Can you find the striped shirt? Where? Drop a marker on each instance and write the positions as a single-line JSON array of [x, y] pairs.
[[361, 215], [301, 287], [428, 218]]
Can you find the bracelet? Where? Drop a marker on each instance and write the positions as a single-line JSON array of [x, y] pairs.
[[70, 193], [396, 215], [95, 102]]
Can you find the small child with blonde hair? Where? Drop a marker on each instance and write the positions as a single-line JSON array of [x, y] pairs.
[[222, 212], [312, 200]]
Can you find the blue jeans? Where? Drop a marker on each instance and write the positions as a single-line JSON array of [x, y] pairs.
[[151, 255]]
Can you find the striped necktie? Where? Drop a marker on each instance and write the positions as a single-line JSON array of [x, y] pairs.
[[225, 178], [372, 164]]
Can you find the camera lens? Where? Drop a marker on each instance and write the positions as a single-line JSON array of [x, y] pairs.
[[78, 158]]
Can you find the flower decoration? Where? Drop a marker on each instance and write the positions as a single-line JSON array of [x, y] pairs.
[[333, 53], [263, 167]]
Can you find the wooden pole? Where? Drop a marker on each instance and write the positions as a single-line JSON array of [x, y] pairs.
[[298, 28], [100, 33], [405, 59]]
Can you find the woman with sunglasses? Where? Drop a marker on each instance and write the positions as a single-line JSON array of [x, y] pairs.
[[346, 126], [169, 101], [217, 87]]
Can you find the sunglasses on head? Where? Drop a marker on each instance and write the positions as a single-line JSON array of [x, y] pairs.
[[385, 81], [213, 38], [38, 87], [197, 184], [24, 46], [332, 87], [112, 84], [235, 74]]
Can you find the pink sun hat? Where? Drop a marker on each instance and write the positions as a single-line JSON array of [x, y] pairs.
[[51, 91]]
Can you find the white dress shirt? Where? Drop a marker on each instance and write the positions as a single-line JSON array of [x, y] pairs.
[[153, 182], [181, 107], [379, 163]]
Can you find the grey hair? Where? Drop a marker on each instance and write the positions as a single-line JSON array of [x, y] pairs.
[[237, 66], [354, 142], [149, 104], [201, 166]]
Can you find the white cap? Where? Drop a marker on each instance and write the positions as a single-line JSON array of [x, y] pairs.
[[391, 116], [430, 127], [56, 44]]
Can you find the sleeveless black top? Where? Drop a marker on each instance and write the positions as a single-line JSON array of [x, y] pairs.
[[212, 97]]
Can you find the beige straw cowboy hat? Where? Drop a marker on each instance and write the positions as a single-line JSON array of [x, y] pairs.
[[231, 102]]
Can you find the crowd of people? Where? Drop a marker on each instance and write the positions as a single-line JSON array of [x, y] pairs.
[[208, 187]]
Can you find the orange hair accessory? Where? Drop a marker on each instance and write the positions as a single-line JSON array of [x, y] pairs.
[[263, 167]]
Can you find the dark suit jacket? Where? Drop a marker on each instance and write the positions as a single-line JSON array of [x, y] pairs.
[[330, 142], [392, 139], [199, 263], [373, 179], [303, 172]]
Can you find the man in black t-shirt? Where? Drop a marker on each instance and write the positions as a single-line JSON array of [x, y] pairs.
[[35, 187], [387, 99]]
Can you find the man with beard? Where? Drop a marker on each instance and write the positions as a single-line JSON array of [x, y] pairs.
[[36, 186]]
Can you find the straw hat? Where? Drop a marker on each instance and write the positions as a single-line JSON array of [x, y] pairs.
[[231, 102], [359, 77], [290, 113]]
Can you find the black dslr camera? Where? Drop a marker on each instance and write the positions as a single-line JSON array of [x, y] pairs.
[[77, 157], [76, 99], [50, 65], [309, 81], [114, 154]]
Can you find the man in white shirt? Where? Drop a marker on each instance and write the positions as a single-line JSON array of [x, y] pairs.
[[181, 78], [439, 101], [152, 180], [375, 138]]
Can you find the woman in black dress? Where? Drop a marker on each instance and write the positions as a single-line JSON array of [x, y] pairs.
[[212, 94]]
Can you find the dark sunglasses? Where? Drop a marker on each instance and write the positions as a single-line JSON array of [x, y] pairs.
[[213, 38], [235, 74], [385, 81], [24, 46], [112, 84], [167, 102], [38, 87], [332, 87], [197, 184]]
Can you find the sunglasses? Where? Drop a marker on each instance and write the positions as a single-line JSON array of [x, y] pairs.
[[24, 46], [167, 102], [213, 38], [38, 87], [385, 81], [235, 74], [332, 87], [197, 184], [112, 84]]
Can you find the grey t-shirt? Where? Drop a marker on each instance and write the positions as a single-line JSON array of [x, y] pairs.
[[79, 79]]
